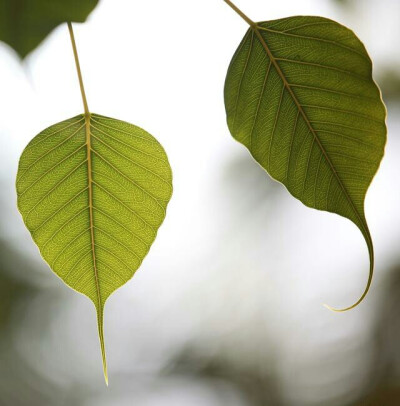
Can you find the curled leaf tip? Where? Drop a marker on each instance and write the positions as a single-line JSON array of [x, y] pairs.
[[333, 309]]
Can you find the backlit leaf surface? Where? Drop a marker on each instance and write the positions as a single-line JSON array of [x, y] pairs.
[[93, 192]]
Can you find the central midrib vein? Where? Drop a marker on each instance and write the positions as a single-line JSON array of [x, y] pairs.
[[90, 205], [362, 225], [88, 143], [87, 117], [255, 28]]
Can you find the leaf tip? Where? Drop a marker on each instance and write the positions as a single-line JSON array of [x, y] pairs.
[[102, 345], [332, 309], [103, 356], [367, 287]]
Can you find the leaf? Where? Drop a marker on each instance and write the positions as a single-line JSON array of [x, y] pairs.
[[25, 23], [299, 95], [93, 192]]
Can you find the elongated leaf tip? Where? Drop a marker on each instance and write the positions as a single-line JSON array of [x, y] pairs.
[[371, 274], [353, 305], [102, 345], [103, 356], [332, 309], [105, 374], [356, 303]]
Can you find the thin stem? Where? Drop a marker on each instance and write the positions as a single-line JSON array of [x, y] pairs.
[[244, 16], [78, 69]]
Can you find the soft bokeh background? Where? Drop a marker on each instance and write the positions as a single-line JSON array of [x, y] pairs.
[[227, 307]]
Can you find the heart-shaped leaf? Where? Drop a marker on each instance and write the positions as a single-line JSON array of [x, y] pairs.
[[299, 95], [93, 191]]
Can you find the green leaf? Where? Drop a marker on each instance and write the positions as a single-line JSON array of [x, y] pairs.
[[93, 192], [299, 95], [25, 23]]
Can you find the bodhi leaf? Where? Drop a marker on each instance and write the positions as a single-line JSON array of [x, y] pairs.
[[93, 191], [25, 23], [299, 95]]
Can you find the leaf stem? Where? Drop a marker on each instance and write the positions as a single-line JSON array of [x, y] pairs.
[[98, 304], [244, 16], [78, 69]]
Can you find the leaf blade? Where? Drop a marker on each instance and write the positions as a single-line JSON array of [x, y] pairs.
[[306, 94], [93, 192]]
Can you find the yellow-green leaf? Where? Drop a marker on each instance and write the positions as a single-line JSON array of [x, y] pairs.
[[93, 192], [299, 95]]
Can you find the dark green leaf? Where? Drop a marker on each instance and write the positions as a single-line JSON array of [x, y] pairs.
[[299, 95], [25, 23]]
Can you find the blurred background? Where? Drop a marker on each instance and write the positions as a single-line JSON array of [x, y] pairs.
[[227, 306]]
